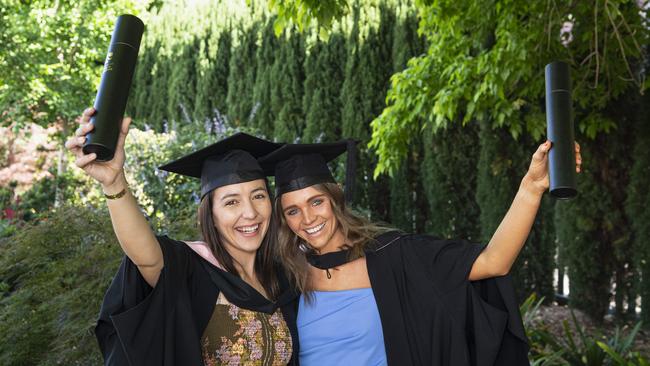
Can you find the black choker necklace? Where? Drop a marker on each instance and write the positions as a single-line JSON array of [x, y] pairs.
[[329, 260]]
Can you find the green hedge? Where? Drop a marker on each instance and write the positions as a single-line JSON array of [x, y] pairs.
[[54, 274]]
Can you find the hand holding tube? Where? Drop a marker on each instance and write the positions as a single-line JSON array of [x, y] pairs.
[[109, 174], [537, 179]]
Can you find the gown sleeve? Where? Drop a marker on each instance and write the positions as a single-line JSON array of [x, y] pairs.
[[448, 261], [135, 319], [487, 309]]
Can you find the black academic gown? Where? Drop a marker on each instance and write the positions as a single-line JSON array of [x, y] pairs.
[[432, 315], [139, 325]]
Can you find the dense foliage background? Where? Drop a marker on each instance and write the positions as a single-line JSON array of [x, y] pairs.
[[446, 98]]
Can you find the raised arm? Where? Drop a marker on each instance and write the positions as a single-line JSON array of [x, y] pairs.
[[506, 243], [131, 228]]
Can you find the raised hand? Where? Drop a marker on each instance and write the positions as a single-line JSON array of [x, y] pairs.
[[131, 227], [537, 173], [506, 243], [106, 173]]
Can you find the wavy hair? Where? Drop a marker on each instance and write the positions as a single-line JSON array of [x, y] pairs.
[[358, 231], [264, 259]]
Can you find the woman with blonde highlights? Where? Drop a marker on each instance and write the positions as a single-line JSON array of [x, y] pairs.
[[374, 296], [292, 249]]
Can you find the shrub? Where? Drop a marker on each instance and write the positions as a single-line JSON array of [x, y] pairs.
[[53, 275], [577, 347]]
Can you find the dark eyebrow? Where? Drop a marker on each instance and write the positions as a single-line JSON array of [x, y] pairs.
[[315, 196], [289, 208], [260, 188], [229, 196]]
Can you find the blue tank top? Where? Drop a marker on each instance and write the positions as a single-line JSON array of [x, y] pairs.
[[340, 328]]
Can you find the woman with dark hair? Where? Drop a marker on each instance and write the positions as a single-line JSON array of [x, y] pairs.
[[223, 300], [374, 296]]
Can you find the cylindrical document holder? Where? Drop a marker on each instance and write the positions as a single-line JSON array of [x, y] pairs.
[[559, 129], [113, 91]]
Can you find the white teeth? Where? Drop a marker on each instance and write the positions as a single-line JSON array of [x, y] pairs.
[[315, 229], [249, 229]]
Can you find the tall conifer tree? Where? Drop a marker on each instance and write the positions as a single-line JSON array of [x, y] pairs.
[[593, 228], [241, 76], [323, 82], [219, 73], [212, 85], [311, 85], [361, 91], [141, 88], [588, 257], [265, 57], [202, 110], [637, 203], [449, 181], [288, 76], [351, 115], [182, 82], [159, 92], [375, 68], [407, 202]]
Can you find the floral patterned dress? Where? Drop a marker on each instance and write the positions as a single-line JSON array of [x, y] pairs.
[[236, 336]]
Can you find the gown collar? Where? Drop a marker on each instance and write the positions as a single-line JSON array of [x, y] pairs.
[[330, 260], [335, 259], [240, 293]]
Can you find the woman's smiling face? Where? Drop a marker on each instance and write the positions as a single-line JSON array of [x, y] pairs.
[[241, 213], [309, 214]]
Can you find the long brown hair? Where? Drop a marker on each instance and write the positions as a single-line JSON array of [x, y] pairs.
[[264, 260], [357, 230]]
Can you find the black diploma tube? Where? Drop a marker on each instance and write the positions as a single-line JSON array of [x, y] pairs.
[[559, 129], [113, 91]]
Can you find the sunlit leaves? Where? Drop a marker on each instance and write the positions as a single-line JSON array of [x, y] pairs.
[[485, 64], [303, 12], [51, 56]]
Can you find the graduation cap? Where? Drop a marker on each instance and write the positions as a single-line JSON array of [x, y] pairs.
[[229, 161], [298, 166]]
